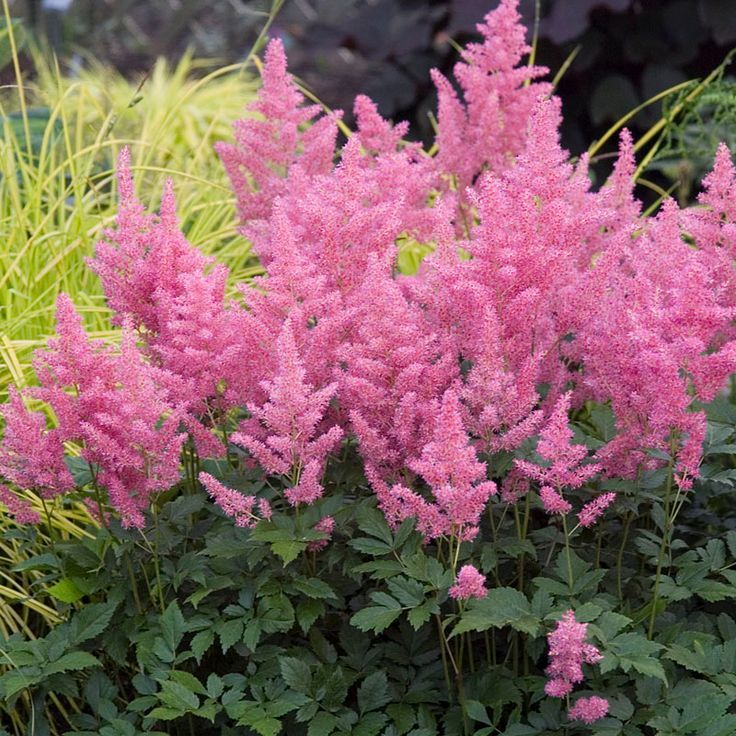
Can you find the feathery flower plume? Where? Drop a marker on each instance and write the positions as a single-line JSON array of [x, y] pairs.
[[568, 651], [246, 510], [19, 508], [593, 510], [450, 467], [287, 434], [268, 147], [116, 407], [564, 468], [325, 525], [470, 583], [588, 710], [32, 456]]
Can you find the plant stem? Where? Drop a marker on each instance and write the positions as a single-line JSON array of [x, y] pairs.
[[665, 534], [567, 553], [620, 557]]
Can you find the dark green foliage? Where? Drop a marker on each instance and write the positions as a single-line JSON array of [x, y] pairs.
[[197, 626]]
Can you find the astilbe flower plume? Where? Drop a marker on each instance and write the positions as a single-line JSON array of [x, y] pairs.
[[246, 510], [270, 146], [287, 434], [175, 297], [326, 526], [392, 369], [470, 583], [593, 510], [116, 407], [588, 710], [450, 467], [19, 508], [32, 456], [564, 459], [489, 127], [568, 651]]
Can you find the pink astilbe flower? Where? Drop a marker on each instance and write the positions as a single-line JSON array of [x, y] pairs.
[[588, 710], [143, 255], [287, 434], [490, 127], [32, 456], [392, 371], [326, 526], [565, 468], [593, 510], [553, 502], [116, 407], [568, 651], [19, 508], [450, 467], [246, 510], [663, 336], [270, 145], [175, 297], [470, 583]]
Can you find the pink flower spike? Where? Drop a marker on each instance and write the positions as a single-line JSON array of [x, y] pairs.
[[470, 583], [326, 526], [568, 651], [591, 512], [233, 503], [588, 710], [18, 507], [553, 502]]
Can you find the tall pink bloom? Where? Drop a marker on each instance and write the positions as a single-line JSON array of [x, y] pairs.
[[568, 651], [32, 456], [116, 407], [268, 147], [593, 510], [246, 510], [489, 127], [19, 508], [470, 583], [588, 710], [287, 434], [175, 297], [450, 467], [564, 459], [326, 526]]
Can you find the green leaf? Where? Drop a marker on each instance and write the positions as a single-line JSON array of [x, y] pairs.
[[296, 674], [308, 611], [402, 715], [408, 592], [66, 590], [71, 662], [373, 692], [501, 607], [215, 685], [323, 724], [370, 724], [373, 522], [421, 614], [230, 632], [189, 681], [314, 588], [162, 713], [176, 695], [288, 551], [201, 642], [369, 546], [477, 712], [374, 618], [91, 621], [173, 627]]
